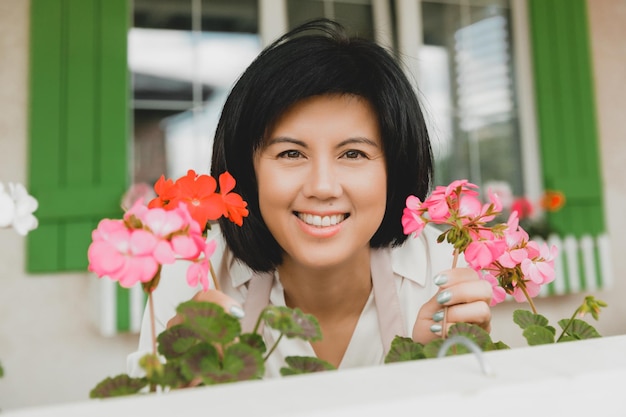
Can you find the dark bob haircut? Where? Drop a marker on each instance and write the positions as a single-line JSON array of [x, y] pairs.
[[318, 58]]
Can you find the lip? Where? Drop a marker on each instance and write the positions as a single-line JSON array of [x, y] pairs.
[[320, 231]]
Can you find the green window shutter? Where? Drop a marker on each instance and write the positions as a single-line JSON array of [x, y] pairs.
[[566, 117], [566, 113], [78, 125]]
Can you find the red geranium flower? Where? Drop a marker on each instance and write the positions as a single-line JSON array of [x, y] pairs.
[[235, 205]]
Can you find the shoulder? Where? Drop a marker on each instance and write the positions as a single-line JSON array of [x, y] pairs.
[[419, 258]]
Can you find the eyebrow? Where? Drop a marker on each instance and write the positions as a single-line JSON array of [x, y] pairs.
[[358, 139]]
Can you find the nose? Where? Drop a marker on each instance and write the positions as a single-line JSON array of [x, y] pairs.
[[321, 181]]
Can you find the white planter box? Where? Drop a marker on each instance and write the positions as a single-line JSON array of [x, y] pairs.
[[575, 378]]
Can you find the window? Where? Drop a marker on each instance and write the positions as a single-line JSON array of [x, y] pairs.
[[184, 55]]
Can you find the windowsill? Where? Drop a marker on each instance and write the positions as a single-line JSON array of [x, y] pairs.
[[580, 376]]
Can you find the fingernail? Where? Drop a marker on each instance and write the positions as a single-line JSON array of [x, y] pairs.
[[440, 279], [236, 312], [444, 296], [435, 328], [438, 316]]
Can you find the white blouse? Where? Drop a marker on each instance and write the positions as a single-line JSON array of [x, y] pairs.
[[413, 266]]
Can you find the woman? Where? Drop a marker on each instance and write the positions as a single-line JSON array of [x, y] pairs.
[[326, 139]]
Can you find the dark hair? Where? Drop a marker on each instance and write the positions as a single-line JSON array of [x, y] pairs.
[[318, 58]]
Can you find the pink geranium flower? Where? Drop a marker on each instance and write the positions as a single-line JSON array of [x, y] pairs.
[[509, 260]]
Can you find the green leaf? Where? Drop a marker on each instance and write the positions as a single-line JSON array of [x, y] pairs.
[[297, 365], [117, 386], [173, 376], [177, 340], [209, 321], [538, 335], [293, 323], [431, 349], [404, 349], [243, 362], [500, 346], [200, 359], [254, 340], [579, 329], [1, 371], [525, 318], [473, 332]]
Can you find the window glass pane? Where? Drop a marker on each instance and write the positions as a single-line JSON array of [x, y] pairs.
[[466, 76], [356, 15], [184, 56]]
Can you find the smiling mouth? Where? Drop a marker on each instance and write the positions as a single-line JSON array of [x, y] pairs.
[[321, 221]]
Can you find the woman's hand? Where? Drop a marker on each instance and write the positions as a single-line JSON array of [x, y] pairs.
[[467, 298], [214, 296]]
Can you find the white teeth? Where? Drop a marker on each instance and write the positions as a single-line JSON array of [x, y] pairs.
[[321, 221]]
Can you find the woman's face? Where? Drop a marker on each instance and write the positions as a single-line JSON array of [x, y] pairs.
[[322, 180]]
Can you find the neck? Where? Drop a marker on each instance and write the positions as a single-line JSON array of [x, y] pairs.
[[328, 292]]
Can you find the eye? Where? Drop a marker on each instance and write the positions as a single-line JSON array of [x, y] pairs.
[[290, 154], [354, 154]]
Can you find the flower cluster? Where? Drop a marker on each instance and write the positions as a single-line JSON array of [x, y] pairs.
[[172, 226], [198, 192], [133, 249], [16, 208], [508, 259]]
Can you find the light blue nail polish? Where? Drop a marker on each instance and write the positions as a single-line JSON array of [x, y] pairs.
[[444, 296], [435, 328], [438, 316], [236, 312], [440, 279]]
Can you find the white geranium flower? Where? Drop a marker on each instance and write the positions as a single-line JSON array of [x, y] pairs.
[[25, 205], [7, 208]]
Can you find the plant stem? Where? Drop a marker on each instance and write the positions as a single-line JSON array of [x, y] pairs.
[[444, 323], [273, 347], [569, 323], [528, 297], [152, 325], [214, 276], [258, 321]]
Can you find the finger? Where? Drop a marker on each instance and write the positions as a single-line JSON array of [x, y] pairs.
[[227, 303], [455, 276], [477, 313], [465, 292]]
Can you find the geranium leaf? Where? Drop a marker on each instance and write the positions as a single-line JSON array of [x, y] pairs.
[[431, 349], [118, 386], [579, 329], [538, 335], [499, 345], [293, 323], [173, 376], [473, 332], [254, 340], [177, 340], [525, 318], [297, 365], [200, 359], [404, 349], [209, 321], [240, 363]]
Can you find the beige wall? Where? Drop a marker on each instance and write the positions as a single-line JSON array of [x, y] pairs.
[[51, 351]]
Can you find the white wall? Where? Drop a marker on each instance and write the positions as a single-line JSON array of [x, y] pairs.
[[49, 348]]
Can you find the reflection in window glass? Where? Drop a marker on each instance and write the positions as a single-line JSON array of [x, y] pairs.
[[355, 15], [184, 56], [466, 77]]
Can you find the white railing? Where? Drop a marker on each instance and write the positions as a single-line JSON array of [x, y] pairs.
[[582, 265]]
